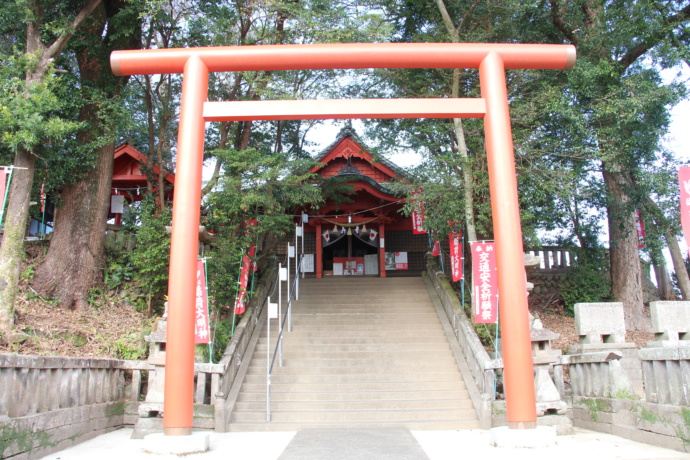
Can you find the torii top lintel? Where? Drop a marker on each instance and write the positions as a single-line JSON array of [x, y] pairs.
[[343, 56]]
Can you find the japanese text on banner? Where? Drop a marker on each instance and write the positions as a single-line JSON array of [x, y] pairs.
[[418, 212], [484, 282], [455, 243], [201, 328]]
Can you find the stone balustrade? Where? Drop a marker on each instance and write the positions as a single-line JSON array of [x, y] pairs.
[[36, 384], [598, 374], [666, 372]]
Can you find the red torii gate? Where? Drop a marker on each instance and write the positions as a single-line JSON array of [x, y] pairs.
[[490, 59]]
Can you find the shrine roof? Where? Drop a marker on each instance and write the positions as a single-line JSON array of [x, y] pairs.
[[349, 132]]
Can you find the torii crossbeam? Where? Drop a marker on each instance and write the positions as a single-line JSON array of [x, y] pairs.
[[491, 59]]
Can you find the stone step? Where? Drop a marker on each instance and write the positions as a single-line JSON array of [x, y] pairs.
[[416, 425], [355, 332], [329, 396], [369, 347], [361, 319], [294, 367], [400, 416], [295, 355], [296, 339], [365, 298], [354, 405], [284, 387], [373, 360], [365, 377], [390, 308]]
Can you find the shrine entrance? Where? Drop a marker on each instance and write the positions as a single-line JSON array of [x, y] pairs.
[[492, 60]]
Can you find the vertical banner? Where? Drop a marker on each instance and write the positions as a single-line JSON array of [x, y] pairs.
[[684, 180], [639, 225], [455, 243], [201, 329], [247, 262], [484, 282], [418, 212]]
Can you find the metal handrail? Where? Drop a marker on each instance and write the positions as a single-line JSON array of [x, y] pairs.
[[279, 344]]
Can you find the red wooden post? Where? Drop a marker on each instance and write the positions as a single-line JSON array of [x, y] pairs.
[[178, 408], [319, 252], [517, 347], [382, 251]]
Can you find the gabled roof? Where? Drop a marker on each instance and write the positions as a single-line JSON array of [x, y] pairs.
[[387, 167], [127, 168]]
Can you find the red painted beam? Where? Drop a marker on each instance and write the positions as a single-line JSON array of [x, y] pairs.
[[343, 56], [344, 109]]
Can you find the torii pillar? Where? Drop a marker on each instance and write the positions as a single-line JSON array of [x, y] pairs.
[[490, 59]]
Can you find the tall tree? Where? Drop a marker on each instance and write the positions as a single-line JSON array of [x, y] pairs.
[[78, 243], [625, 106], [47, 34]]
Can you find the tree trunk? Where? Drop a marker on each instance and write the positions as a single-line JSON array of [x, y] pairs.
[[75, 258], [663, 281], [679, 265], [12, 249], [626, 273]]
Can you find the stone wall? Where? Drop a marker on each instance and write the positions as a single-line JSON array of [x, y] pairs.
[[50, 403]]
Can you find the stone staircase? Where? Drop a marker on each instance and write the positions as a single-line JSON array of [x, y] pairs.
[[363, 352]]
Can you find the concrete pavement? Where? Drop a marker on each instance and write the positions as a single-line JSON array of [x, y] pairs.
[[374, 444]]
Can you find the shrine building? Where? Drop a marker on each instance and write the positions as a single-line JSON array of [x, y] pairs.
[[368, 235]]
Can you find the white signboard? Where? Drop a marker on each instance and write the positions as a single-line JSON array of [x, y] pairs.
[[307, 263]]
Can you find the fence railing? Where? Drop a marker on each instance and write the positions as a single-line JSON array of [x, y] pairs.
[[553, 257], [666, 373], [598, 375], [35, 384], [286, 320]]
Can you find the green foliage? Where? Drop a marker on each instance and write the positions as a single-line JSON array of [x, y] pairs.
[[130, 346], [588, 280], [151, 257], [31, 114], [222, 333], [24, 439], [118, 272]]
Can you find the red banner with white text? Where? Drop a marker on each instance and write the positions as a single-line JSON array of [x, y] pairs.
[[418, 212], [201, 328], [455, 243], [484, 282], [684, 180], [639, 225], [247, 263]]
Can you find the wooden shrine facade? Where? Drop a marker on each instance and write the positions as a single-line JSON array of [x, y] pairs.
[[368, 235], [130, 182]]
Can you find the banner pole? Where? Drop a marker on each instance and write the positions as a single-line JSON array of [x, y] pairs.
[[208, 310]]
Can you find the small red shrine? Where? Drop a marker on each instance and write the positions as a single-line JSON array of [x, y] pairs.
[[129, 180], [369, 235]]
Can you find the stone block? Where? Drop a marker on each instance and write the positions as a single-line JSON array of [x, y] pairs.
[[671, 321], [602, 322]]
